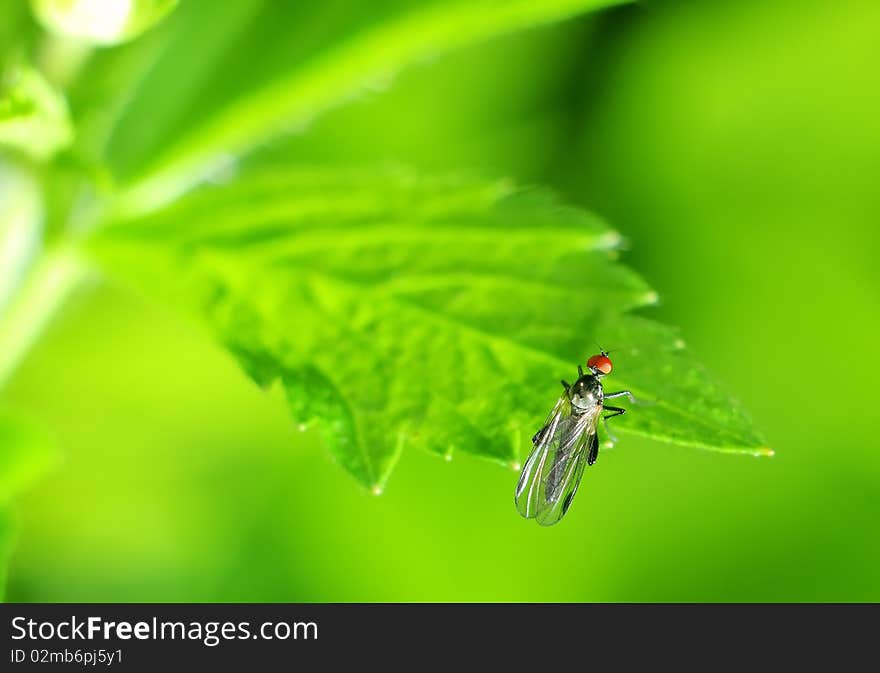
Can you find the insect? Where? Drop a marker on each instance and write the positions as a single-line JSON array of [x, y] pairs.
[[566, 443]]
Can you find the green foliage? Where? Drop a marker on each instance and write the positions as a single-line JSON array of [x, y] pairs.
[[146, 122], [33, 116], [405, 311], [215, 86], [671, 122], [397, 310]]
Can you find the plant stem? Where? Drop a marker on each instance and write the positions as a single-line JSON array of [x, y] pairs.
[[47, 286]]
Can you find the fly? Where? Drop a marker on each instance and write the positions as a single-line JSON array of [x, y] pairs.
[[566, 443]]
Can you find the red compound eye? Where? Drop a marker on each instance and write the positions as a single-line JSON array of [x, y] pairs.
[[601, 363]]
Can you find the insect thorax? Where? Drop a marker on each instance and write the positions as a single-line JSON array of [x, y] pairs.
[[586, 393]]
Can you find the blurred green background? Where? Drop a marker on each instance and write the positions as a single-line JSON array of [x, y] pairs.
[[735, 144]]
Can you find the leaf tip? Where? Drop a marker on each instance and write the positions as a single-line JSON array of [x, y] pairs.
[[764, 451], [515, 466], [376, 489]]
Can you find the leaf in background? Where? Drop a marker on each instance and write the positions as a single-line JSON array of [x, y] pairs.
[[33, 116], [218, 91], [405, 311], [104, 22]]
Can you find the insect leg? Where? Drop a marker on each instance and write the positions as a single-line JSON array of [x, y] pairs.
[[580, 370], [621, 393], [594, 449], [632, 398], [565, 385], [615, 411]]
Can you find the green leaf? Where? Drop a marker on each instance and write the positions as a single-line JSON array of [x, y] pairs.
[[225, 92], [403, 311], [34, 118], [104, 22]]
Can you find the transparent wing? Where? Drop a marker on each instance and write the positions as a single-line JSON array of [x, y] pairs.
[[526, 497], [553, 470], [558, 489]]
